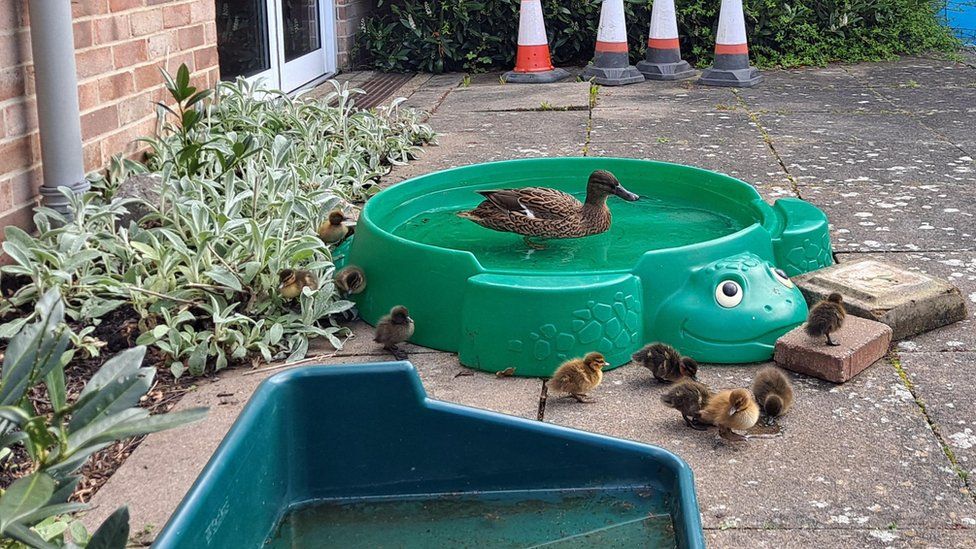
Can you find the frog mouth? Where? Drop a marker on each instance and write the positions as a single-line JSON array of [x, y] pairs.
[[761, 339]]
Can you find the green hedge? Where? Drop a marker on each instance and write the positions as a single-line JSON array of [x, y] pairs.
[[477, 35]]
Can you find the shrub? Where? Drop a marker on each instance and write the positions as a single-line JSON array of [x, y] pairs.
[[58, 442], [476, 35], [246, 178]]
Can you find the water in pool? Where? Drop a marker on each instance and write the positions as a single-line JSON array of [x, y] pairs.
[[647, 224], [556, 519]]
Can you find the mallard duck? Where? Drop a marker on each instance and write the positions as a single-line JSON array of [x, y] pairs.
[[393, 329], [293, 280], [579, 376], [547, 213], [336, 228], [826, 318]]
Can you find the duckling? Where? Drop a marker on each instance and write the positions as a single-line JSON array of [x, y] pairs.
[[350, 280], [393, 329], [579, 376], [688, 397], [665, 363], [731, 409], [336, 228], [293, 280], [773, 392], [826, 318]]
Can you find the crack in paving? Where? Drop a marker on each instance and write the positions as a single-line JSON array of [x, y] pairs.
[[754, 116], [591, 104], [895, 360]]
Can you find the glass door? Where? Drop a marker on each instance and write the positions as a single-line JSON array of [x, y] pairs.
[[286, 43]]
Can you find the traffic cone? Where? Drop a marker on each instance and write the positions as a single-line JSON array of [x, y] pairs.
[[532, 62], [731, 66], [611, 65], [663, 60]]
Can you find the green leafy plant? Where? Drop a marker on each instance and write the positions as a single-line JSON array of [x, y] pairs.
[[60, 440], [456, 35], [246, 177]]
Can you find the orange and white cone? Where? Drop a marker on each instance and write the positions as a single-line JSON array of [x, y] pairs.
[[663, 60], [731, 65], [611, 63], [532, 62]]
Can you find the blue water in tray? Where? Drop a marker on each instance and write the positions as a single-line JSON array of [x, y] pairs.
[[552, 519]]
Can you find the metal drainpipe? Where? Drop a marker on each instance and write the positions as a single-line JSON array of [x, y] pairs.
[[56, 88]]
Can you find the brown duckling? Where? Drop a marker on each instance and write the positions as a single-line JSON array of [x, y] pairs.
[[773, 391], [688, 397], [393, 329], [350, 280], [291, 282], [731, 409], [665, 363], [826, 318], [579, 376], [336, 228]]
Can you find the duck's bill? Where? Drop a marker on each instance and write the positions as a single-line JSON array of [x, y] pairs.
[[625, 194]]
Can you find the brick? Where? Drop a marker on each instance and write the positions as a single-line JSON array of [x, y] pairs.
[[88, 95], [113, 87], [82, 31], [136, 108], [91, 154], [111, 29], [16, 155], [23, 217], [191, 37], [15, 49], [20, 118], [12, 83], [161, 45], [147, 22], [94, 62], [862, 343], [176, 16], [99, 122], [130, 53], [907, 301], [123, 5], [147, 76], [84, 8], [203, 11], [205, 58]]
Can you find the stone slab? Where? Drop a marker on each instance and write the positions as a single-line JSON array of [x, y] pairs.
[[854, 455], [512, 97], [945, 383], [154, 479], [862, 342], [909, 302], [842, 100], [923, 71], [842, 537], [959, 268]]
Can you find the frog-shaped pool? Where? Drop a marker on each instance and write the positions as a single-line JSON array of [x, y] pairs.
[[700, 261]]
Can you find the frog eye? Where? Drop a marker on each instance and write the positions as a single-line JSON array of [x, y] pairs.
[[780, 275], [728, 293]]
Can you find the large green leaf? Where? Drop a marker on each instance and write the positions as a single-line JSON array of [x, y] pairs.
[[23, 497], [25, 535], [117, 385], [113, 533]]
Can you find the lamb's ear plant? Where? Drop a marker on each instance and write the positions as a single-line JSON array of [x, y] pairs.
[[59, 441], [246, 177]]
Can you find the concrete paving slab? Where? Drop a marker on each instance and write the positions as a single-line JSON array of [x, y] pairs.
[[157, 475], [909, 302], [926, 99], [815, 98], [648, 124], [679, 96], [874, 217], [842, 538], [959, 268], [945, 383], [361, 343], [857, 455], [930, 72], [955, 127], [510, 97]]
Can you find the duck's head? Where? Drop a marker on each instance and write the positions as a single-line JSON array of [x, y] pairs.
[[595, 361], [286, 278], [400, 315], [336, 217], [603, 184]]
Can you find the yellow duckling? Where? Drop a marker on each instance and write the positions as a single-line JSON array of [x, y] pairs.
[[293, 280], [336, 228]]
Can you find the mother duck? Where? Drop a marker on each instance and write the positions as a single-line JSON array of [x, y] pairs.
[[547, 213]]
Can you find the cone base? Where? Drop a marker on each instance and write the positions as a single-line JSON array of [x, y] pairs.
[[540, 77], [614, 76], [666, 71], [735, 78]]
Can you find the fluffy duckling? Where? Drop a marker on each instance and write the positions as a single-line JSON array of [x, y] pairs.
[[773, 391], [688, 397], [393, 329], [579, 376], [336, 228], [291, 282], [731, 409], [665, 363], [350, 280], [826, 318]]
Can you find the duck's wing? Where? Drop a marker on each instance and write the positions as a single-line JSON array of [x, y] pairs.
[[533, 202]]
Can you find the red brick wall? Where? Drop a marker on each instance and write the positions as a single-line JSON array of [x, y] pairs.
[[120, 45], [349, 15]]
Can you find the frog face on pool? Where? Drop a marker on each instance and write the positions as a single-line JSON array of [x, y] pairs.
[[730, 306]]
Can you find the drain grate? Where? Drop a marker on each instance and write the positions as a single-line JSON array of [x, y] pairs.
[[379, 88]]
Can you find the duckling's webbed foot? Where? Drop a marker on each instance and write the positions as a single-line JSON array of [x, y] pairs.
[[397, 352], [582, 397], [695, 424], [730, 435], [533, 244], [831, 342]]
